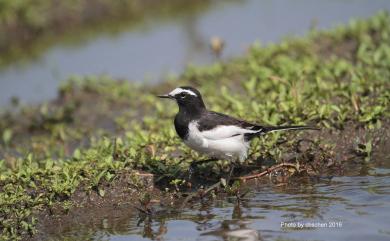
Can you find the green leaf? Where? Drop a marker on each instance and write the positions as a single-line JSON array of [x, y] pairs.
[[336, 108], [49, 164], [7, 136], [77, 154], [101, 192], [223, 182]]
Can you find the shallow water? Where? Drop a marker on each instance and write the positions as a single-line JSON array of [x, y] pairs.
[[343, 208], [159, 47]]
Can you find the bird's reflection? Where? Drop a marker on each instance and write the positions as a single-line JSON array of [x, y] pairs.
[[149, 231], [236, 227]]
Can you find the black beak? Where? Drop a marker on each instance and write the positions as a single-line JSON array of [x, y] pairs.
[[165, 96]]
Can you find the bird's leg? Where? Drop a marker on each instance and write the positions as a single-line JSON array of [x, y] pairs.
[[191, 171], [232, 167]]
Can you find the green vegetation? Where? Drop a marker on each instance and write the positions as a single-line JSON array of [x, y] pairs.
[[100, 128]]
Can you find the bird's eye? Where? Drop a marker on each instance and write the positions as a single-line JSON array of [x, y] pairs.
[[182, 95]]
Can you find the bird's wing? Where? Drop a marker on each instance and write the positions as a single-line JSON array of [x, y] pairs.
[[216, 126]]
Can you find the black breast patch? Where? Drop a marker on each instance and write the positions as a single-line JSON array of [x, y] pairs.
[[181, 126]]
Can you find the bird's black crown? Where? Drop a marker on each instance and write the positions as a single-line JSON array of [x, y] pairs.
[[188, 99]]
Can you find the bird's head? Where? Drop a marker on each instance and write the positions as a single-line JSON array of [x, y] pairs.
[[186, 97]]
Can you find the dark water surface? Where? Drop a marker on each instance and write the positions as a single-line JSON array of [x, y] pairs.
[[343, 208], [158, 48]]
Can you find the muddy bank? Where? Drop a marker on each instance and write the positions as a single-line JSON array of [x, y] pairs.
[[79, 149], [123, 195]]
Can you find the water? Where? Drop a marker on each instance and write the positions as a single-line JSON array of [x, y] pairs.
[[348, 208], [161, 47]]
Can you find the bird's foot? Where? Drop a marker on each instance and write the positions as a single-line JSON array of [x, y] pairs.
[[191, 171], [231, 172]]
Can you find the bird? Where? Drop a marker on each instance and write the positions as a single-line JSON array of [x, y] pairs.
[[214, 134]]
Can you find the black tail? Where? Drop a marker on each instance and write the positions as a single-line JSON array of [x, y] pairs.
[[268, 129]]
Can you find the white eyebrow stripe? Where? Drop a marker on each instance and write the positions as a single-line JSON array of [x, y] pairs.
[[180, 90]]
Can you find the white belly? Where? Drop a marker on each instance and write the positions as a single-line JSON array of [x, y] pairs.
[[231, 148]]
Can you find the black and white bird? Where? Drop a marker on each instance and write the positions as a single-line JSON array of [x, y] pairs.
[[214, 134]]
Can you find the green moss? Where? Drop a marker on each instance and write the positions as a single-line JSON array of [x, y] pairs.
[[100, 127]]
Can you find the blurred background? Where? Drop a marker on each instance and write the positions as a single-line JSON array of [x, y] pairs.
[[44, 42]]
